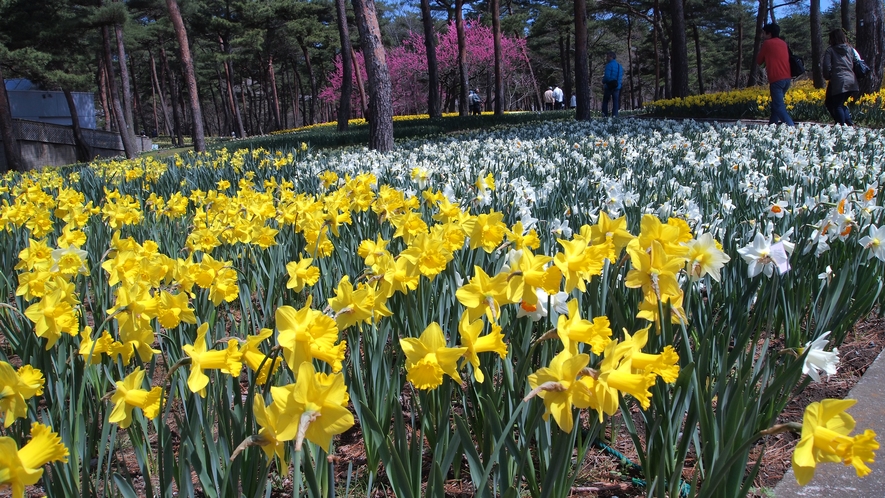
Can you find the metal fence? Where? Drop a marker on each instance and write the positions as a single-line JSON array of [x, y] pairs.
[[34, 131]]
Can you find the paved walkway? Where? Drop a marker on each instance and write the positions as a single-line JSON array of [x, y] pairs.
[[834, 480]]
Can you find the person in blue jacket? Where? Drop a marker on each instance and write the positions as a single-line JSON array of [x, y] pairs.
[[611, 84]]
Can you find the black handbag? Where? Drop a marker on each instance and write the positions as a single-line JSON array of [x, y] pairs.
[[861, 69]]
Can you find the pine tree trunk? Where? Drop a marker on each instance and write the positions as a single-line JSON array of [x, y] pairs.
[[697, 53], [177, 111], [434, 108], [311, 77], [567, 83], [817, 50], [658, 34], [499, 56], [11, 149], [187, 63], [845, 14], [630, 63], [297, 97], [364, 107], [582, 63], [871, 42], [124, 83], [167, 130], [346, 66], [755, 76], [139, 108], [462, 58], [125, 135], [274, 96], [84, 151], [679, 55], [380, 93], [229, 82], [103, 93], [739, 39]]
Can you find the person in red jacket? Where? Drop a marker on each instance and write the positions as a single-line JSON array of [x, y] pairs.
[[775, 57]]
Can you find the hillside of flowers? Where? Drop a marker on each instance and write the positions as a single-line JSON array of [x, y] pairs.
[[804, 102], [482, 307]]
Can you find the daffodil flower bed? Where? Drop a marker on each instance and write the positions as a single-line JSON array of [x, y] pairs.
[[488, 303], [804, 102]]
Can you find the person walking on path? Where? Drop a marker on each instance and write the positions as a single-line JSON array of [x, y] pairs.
[[557, 98], [548, 99], [775, 57], [611, 84], [475, 102], [838, 69]]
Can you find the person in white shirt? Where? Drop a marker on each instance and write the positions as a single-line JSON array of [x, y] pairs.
[[557, 97]]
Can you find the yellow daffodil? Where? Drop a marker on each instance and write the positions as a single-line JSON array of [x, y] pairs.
[[564, 385], [353, 306], [486, 295], [488, 231], [493, 342], [306, 334], [825, 429], [130, 395], [573, 329], [16, 387], [253, 357], [429, 254], [616, 377], [301, 274], [608, 229], [428, 358], [273, 423], [396, 275], [372, 251], [55, 313], [664, 364], [322, 401], [172, 309], [24, 467], [202, 358], [655, 271], [580, 262]]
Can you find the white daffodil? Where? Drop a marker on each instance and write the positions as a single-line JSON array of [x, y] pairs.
[[778, 209], [758, 256], [560, 228], [819, 360], [826, 275], [875, 242]]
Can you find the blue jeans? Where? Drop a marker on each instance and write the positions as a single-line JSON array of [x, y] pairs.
[[778, 107], [615, 97]]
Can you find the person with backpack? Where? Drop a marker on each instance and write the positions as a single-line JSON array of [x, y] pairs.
[[838, 69], [611, 84], [775, 57]]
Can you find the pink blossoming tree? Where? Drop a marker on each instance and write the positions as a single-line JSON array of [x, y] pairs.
[[408, 71]]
